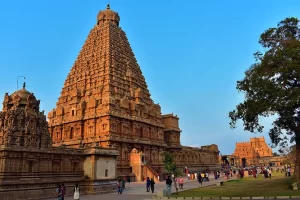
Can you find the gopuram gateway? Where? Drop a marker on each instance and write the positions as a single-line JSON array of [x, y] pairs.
[[105, 102], [256, 152]]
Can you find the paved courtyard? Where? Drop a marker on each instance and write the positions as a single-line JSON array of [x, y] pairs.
[[137, 191]]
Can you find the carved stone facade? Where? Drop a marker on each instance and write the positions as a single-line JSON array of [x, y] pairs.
[[105, 101], [30, 168], [21, 123], [250, 153]]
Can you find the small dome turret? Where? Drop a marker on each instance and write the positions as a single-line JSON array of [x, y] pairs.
[[21, 122], [108, 15]]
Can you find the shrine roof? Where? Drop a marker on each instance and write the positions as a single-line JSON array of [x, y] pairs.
[[108, 14], [23, 94]]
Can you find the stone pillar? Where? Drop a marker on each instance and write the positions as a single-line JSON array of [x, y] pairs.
[[136, 164]]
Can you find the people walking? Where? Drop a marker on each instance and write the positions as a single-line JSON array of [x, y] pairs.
[[76, 192], [119, 185], [63, 191], [148, 183], [200, 179], [58, 191], [128, 180], [180, 182], [270, 173], [207, 176], [169, 185], [123, 184], [152, 184]]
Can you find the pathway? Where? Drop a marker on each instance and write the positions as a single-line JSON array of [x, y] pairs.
[[137, 190]]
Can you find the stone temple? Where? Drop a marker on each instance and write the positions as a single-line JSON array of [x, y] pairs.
[[249, 153], [105, 102], [31, 168], [255, 152]]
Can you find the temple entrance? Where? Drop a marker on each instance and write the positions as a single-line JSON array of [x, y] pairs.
[[232, 161], [244, 162], [143, 159], [225, 161]]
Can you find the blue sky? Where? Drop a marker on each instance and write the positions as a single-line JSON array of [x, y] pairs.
[[191, 53]]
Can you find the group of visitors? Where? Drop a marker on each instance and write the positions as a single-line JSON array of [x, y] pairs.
[[287, 170], [150, 184], [217, 174], [267, 172], [121, 185], [204, 176], [61, 191]]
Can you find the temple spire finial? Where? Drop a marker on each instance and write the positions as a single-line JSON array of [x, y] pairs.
[[24, 85], [18, 81], [108, 6]]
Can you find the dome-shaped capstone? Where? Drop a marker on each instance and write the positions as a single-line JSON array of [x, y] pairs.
[[108, 15]]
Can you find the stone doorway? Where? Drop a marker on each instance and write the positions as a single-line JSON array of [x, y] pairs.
[[244, 161], [225, 161], [232, 162]]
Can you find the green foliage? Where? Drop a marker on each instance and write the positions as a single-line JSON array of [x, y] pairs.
[[275, 154], [170, 165], [272, 85], [278, 185], [290, 155]]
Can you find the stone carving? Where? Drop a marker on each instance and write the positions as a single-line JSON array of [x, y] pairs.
[[21, 122]]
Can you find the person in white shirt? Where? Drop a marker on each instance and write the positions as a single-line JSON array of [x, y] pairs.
[[270, 173]]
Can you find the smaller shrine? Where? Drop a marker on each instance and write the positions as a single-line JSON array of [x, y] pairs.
[[30, 168], [256, 152]]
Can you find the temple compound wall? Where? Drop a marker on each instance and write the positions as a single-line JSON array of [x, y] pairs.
[[30, 168], [250, 153], [105, 101]]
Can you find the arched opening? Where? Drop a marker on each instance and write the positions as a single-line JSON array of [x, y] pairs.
[[225, 161], [244, 160], [72, 133], [106, 173], [141, 132], [75, 166], [30, 164], [232, 161]]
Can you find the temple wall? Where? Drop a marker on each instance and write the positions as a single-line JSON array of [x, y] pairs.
[[107, 168]]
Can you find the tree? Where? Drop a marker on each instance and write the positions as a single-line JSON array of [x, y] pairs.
[[272, 87], [171, 167], [290, 155], [275, 154]]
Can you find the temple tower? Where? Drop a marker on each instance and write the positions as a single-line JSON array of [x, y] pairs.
[[21, 122], [105, 100]]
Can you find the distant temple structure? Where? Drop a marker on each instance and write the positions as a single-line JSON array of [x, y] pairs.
[[249, 153], [253, 153], [105, 102]]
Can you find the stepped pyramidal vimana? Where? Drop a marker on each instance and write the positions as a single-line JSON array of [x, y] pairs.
[[105, 125], [105, 101]]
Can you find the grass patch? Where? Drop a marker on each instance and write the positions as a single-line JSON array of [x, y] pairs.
[[278, 185]]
